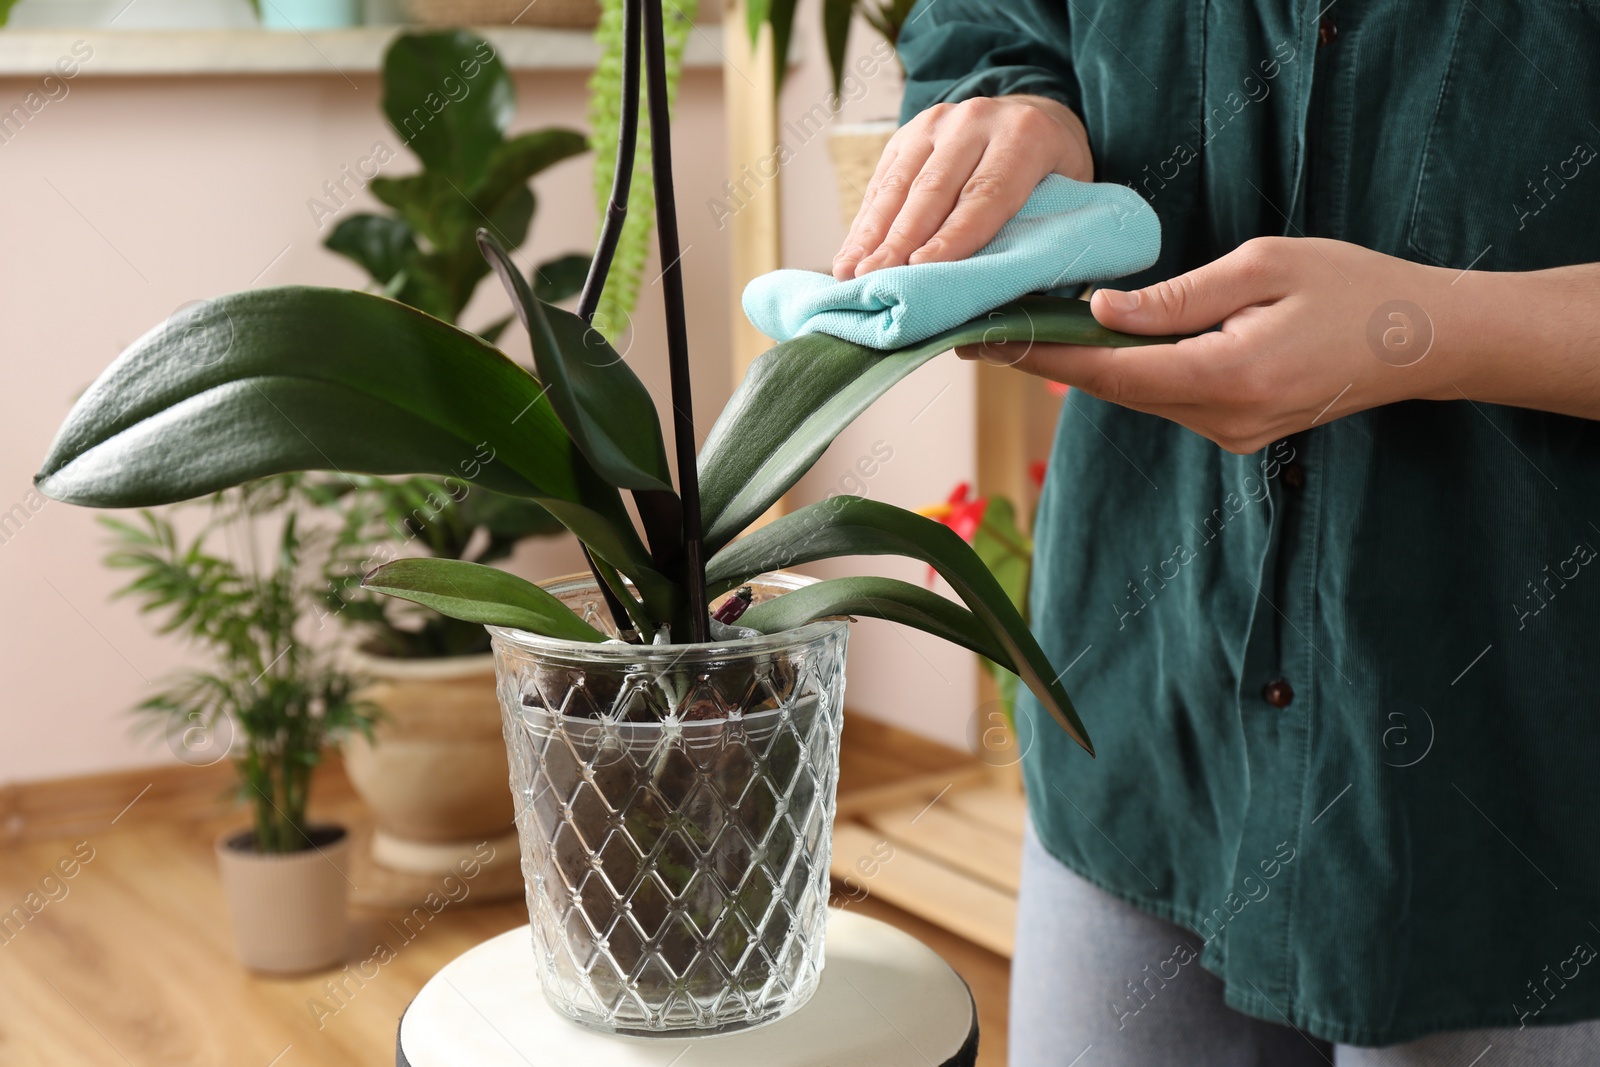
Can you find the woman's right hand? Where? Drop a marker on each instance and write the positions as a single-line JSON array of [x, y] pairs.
[[955, 174]]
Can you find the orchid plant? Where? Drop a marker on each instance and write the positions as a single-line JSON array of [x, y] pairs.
[[990, 524], [334, 380]]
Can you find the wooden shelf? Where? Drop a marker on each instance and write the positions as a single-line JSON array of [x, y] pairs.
[[163, 53]]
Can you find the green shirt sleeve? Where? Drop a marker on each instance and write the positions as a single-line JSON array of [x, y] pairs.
[[957, 49]]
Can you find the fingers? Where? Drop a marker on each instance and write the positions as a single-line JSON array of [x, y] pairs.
[[954, 175], [987, 202], [887, 191], [1253, 273], [1012, 165], [1144, 377], [933, 195]]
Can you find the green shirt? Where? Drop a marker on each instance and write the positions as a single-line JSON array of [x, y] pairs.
[[1343, 690]]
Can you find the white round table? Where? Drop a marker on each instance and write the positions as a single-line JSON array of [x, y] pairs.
[[885, 1000]]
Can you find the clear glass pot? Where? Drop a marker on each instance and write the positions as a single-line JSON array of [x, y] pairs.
[[675, 808]]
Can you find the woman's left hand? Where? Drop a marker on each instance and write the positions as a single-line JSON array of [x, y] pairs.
[[1311, 330]]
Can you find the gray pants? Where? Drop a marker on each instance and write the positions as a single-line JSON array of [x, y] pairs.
[[1080, 943]]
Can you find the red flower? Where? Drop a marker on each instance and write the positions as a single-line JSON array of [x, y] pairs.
[[962, 512], [1036, 471]]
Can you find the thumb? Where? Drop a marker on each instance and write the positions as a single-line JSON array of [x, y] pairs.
[[1190, 302]]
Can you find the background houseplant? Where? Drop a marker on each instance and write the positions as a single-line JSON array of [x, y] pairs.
[[277, 699], [327, 379], [431, 777]]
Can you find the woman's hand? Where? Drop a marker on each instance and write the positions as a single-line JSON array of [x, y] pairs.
[[952, 176], [1311, 330]]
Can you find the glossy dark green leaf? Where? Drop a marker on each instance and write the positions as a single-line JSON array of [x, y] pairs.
[[799, 395], [518, 160], [472, 592], [853, 526], [561, 278], [878, 598], [275, 380], [381, 245], [836, 18], [601, 402], [781, 15], [448, 96], [449, 221], [507, 516]]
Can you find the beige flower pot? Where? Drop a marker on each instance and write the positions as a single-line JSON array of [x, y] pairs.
[[435, 774], [288, 909], [856, 148]]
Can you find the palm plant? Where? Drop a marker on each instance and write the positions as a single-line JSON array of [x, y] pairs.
[[324, 379], [283, 698]]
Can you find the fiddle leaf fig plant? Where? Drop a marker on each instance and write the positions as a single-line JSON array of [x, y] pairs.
[[450, 99]]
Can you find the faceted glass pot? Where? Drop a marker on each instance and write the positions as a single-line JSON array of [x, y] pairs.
[[675, 808]]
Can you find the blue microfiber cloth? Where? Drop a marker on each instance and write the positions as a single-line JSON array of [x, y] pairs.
[[1068, 233]]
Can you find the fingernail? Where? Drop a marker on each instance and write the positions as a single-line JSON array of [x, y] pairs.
[[928, 253], [848, 253], [1120, 300]]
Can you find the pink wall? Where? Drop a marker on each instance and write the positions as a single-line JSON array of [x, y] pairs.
[[131, 197]]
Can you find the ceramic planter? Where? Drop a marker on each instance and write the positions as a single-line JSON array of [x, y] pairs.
[[310, 14], [288, 908], [434, 774], [675, 808]]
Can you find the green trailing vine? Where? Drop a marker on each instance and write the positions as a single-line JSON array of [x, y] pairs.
[[605, 112]]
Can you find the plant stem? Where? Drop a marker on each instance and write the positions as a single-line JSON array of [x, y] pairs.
[[610, 234], [694, 573], [622, 177]]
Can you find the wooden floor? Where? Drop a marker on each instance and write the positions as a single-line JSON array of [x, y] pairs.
[[130, 962]]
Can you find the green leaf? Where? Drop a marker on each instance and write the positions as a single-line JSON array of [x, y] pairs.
[[449, 221], [449, 97], [601, 402], [515, 162], [558, 279], [275, 380], [492, 332], [381, 245], [799, 395], [1005, 550], [475, 593], [755, 13], [852, 526], [836, 18], [878, 598], [781, 16], [507, 516]]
